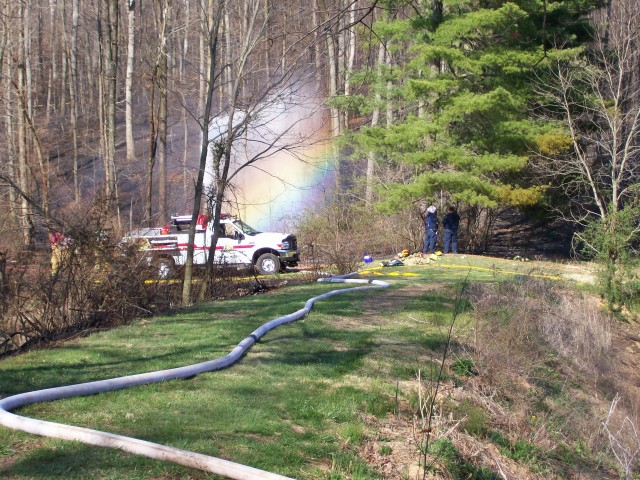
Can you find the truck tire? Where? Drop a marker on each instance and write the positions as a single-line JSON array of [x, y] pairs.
[[268, 264], [165, 268]]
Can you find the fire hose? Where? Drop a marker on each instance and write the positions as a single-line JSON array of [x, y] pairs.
[[148, 449]]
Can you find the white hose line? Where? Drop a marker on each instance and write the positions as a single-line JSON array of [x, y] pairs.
[[153, 450]]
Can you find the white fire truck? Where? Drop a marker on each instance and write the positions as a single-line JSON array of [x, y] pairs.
[[165, 248]]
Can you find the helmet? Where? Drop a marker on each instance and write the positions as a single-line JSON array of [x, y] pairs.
[[431, 209]]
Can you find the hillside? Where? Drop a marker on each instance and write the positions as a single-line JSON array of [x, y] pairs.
[[352, 390]]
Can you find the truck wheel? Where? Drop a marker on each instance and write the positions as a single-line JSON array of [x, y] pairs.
[[268, 264], [165, 268]]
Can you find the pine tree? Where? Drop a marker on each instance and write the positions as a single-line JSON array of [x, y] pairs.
[[464, 101]]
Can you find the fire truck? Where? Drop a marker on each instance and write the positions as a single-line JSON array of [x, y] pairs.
[[165, 248]]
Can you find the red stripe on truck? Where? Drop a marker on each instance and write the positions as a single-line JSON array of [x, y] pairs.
[[183, 246]]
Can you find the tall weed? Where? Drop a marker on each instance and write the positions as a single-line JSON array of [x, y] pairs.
[[517, 322]]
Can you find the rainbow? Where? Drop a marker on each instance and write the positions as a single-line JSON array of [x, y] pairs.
[[284, 186], [271, 192]]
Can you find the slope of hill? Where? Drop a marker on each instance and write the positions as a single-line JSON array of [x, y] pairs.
[[359, 388]]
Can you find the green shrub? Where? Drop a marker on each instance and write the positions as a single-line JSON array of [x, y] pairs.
[[444, 451], [517, 450], [385, 450], [464, 367], [347, 465], [353, 432], [474, 419], [610, 241], [378, 404], [336, 235]]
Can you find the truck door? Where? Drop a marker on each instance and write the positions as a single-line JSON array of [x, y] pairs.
[[199, 248], [228, 238]]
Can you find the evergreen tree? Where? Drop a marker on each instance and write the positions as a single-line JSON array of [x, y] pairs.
[[464, 101]]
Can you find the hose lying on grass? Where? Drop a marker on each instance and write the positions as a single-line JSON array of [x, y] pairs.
[[148, 449]]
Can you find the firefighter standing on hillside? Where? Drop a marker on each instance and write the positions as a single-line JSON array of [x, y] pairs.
[[431, 230], [451, 222]]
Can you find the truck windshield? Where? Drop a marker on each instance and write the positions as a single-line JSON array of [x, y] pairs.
[[246, 229]]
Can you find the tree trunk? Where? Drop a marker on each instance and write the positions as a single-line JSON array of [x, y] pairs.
[[375, 120], [351, 56], [340, 60], [53, 69], [28, 83], [23, 168], [316, 47], [163, 11], [12, 153], [111, 58], [228, 81], [333, 110], [185, 122], [212, 42], [283, 55], [71, 53], [162, 139], [267, 51], [202, 87], [185, 153], [131, 145], [389, 103], [153, 144], [28, 122]]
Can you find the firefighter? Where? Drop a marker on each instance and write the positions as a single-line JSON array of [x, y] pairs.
[[58, 244]]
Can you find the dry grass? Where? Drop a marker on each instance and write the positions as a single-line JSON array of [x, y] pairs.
[[533, 315], [96, 286], [531, 408]]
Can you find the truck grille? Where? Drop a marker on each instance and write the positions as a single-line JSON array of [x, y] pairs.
[[290, 243]]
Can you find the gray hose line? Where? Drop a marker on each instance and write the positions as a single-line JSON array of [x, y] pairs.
[[148, 449]]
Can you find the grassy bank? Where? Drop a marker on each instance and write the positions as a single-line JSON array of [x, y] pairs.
[[316, 399]]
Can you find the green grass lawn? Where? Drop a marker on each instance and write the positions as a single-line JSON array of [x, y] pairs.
[[293, 405]]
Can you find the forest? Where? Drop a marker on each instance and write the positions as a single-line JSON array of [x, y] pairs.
[[523, 115]]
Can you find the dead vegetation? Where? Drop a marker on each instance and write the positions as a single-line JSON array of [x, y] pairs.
[[97, 283], [521, 322], [341, 233], [526, 395]]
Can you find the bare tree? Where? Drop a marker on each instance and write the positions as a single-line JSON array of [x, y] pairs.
[[131, 40], [22, 88], [6, 72], [110, 95], [594, 155], [61, 135], [597, 162], [260, 110], [212, 42], [73, 96], [163, 19], [375, 120]]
